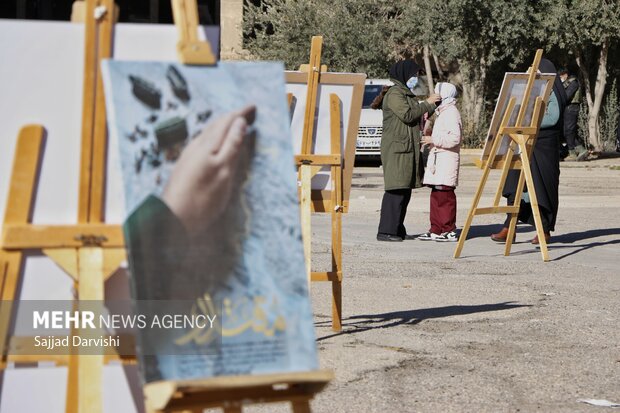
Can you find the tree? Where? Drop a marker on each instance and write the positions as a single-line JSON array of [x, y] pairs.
[[476, 35], [356, 35], [479, 39], [587, 29]]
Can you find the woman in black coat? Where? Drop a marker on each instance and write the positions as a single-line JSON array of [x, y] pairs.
[[545, 166]]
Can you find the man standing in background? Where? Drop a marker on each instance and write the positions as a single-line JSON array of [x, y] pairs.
[[576, 150]]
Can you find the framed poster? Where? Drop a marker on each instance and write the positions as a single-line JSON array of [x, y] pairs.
[[514, 86], [235, 241]]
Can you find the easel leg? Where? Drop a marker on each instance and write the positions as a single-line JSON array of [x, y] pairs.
[[336, 262], [10, 269], [19, 205], [306, 215], [534, 202], [336, 204], [472, 211], [513, 216], [301, 406], [337, 269], [90, 368], [500, 190]]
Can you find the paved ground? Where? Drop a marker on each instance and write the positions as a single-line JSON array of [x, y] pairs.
[[424, 332]]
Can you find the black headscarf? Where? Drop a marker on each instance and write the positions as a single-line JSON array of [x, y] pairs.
[[547, 67], [404, 70]]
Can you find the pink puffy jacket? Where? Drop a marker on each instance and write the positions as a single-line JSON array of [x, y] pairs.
[[442, 167]]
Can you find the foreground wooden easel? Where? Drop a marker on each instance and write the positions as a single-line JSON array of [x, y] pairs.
[[309, 165], [229, 393], [91, 251], [522, 137]]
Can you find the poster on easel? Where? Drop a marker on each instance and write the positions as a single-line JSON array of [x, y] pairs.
[[514, 86], [230, 242]]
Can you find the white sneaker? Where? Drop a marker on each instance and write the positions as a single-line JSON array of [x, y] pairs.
[[428, 236], [447, 237]]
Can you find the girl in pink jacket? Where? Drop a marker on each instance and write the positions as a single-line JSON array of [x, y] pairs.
[[442, 167]]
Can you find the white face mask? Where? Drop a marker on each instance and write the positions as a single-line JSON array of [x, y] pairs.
[[412, 82]]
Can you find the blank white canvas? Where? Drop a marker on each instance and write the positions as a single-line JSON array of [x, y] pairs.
[[41, 82], [322, 122]]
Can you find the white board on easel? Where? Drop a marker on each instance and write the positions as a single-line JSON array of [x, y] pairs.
[[350, 89], [42, 83]]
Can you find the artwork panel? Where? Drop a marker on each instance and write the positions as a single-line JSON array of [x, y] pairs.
[[514, 86], [251, 258]]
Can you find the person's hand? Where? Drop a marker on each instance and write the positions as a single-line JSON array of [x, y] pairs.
[[427, 140], [433, 99], [201, 183]]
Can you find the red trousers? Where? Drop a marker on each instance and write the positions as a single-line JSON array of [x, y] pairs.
[[443, 209]]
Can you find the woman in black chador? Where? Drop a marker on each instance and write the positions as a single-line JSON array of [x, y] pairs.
[[545, 165]]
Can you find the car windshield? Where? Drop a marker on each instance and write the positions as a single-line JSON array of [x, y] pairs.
[[370, 93]]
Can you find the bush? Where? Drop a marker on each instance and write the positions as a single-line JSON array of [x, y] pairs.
[[609, 119], [582, 124], [475, 132]]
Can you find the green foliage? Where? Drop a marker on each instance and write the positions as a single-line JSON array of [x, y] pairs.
[[356, 34], [475, 132], [471, 30], [609, 118], [480, 39], [582, 124]]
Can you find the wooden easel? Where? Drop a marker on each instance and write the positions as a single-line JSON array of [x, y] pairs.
[[229, 393], [91, 250], [309, 165], [522, 137]]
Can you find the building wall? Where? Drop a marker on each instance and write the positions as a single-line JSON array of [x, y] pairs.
[[231, 29]]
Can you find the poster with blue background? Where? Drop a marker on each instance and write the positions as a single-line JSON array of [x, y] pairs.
[[213, 216]]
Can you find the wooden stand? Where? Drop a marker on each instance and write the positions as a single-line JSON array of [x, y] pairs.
[[309, 165], [231, 393], [522, 137], [91, 251]]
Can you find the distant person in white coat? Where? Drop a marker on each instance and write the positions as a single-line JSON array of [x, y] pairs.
[[442, 168]]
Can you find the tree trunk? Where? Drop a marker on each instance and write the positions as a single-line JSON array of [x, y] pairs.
[[594, 97], [436, 60], [480, 82], [429, 70], [468, 101], [473, 90]]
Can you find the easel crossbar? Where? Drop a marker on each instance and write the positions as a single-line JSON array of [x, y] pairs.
[[322, 160], [27, 236], [497, 210]]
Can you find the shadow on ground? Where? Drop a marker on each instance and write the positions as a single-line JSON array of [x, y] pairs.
[[482, 231], [361, 323], [574, 238]]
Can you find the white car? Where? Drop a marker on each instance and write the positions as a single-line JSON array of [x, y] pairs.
[[371, 121]]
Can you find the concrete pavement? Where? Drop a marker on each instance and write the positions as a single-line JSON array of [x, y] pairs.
[[424, 332]]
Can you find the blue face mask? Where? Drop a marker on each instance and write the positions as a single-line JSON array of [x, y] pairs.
[[412, 82]]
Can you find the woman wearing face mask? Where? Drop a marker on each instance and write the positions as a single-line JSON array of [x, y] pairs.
[[442, 168], [400, 148]]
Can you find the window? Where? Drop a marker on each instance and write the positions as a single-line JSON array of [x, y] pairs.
[[370, 93]]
